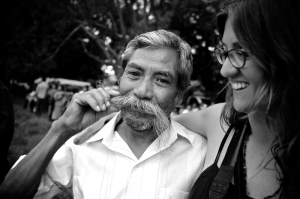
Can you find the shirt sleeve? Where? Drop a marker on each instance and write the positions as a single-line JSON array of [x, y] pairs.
[[58, 174]]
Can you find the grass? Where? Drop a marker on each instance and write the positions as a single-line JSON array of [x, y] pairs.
[[28, 132]]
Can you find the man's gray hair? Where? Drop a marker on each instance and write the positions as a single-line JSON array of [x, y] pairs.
[[165, 39]]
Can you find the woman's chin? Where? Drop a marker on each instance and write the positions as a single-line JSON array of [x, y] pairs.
[[242, 108]]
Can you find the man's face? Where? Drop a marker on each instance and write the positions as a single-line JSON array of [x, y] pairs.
[[150, 76]]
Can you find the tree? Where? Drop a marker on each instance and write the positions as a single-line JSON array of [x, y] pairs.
[[195, 20], [111, 24], [77, 39]]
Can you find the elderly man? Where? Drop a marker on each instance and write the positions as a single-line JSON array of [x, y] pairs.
[[140, 153]]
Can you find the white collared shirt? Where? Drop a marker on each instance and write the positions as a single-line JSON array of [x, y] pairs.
[[104, 167]]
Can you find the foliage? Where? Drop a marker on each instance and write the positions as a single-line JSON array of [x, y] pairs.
[[196, 21], [76, 38], [28, 132]]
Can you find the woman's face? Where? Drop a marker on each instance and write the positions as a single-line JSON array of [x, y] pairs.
[[244, 81]]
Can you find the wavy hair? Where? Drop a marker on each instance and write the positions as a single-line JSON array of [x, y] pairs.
[[270, 29], [165, 39]]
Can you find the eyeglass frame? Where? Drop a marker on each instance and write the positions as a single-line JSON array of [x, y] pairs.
[[226, 54]]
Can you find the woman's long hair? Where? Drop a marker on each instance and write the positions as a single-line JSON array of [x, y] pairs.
[[270, 30]]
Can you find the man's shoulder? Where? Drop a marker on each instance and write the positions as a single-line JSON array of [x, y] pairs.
[[188, 134]]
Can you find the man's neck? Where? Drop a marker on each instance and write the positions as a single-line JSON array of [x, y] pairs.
[[138, 141]]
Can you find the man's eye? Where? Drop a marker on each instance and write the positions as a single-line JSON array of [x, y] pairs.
[[163, 82], [133, 74]]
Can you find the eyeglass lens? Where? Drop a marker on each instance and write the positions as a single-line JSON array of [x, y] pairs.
[[235, 57]]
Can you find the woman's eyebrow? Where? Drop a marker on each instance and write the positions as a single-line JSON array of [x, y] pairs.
[[237, 45]]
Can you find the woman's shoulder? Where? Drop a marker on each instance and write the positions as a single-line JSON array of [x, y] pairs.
[[211, 115], [202, 121], [213, 111], [212, 118]]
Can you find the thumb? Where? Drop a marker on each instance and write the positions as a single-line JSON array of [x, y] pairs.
[[112, 92]]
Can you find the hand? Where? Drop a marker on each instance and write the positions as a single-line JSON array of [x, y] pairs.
[[87, 108]]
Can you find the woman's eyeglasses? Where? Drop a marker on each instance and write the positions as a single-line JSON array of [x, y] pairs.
[[236, 57]]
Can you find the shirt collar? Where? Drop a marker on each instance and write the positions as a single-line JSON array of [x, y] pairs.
[[107, 132]]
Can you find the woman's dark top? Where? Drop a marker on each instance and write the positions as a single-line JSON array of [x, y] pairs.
[[205, 184], [201, 188]]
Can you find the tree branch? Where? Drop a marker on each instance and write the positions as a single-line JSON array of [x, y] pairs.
[[123, 30], [90, 55], [61, 44]]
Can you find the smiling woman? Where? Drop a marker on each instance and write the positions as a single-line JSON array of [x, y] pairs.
[[259, 54], [243, 72]]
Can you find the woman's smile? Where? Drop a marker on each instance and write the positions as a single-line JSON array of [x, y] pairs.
[[237, 86]]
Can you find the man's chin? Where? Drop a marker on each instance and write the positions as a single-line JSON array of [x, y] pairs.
[[139, 124]]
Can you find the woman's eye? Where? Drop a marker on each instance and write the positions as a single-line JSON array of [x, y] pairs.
[[241, 54]]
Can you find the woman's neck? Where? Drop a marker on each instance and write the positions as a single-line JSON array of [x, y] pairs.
[[262, 133]]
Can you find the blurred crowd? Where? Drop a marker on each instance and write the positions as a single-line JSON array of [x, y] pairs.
[[50, 97], [193, 105]]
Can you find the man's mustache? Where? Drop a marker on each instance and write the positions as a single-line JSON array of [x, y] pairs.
[[160, 121], [132, 103]]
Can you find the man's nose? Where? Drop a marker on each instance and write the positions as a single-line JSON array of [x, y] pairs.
[[228, 70], [144, 90]]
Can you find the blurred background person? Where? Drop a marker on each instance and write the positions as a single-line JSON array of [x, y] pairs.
[[187, 109], [30, 101], [50, 95], [60, 102], [41, 93]]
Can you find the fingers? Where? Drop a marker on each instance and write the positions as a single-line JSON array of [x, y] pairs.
[[98, 98], [91, 130], [87, 99], [113, 92], [107, 93]]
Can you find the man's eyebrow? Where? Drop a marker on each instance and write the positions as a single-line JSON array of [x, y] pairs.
[[134, 65]]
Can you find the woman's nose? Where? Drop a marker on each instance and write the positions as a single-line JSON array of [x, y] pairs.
[[228, 70]]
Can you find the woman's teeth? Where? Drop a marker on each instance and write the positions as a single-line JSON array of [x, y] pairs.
[[239, 86]]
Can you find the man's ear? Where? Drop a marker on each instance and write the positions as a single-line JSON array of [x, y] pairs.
[[119, 79], [178, 100]]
